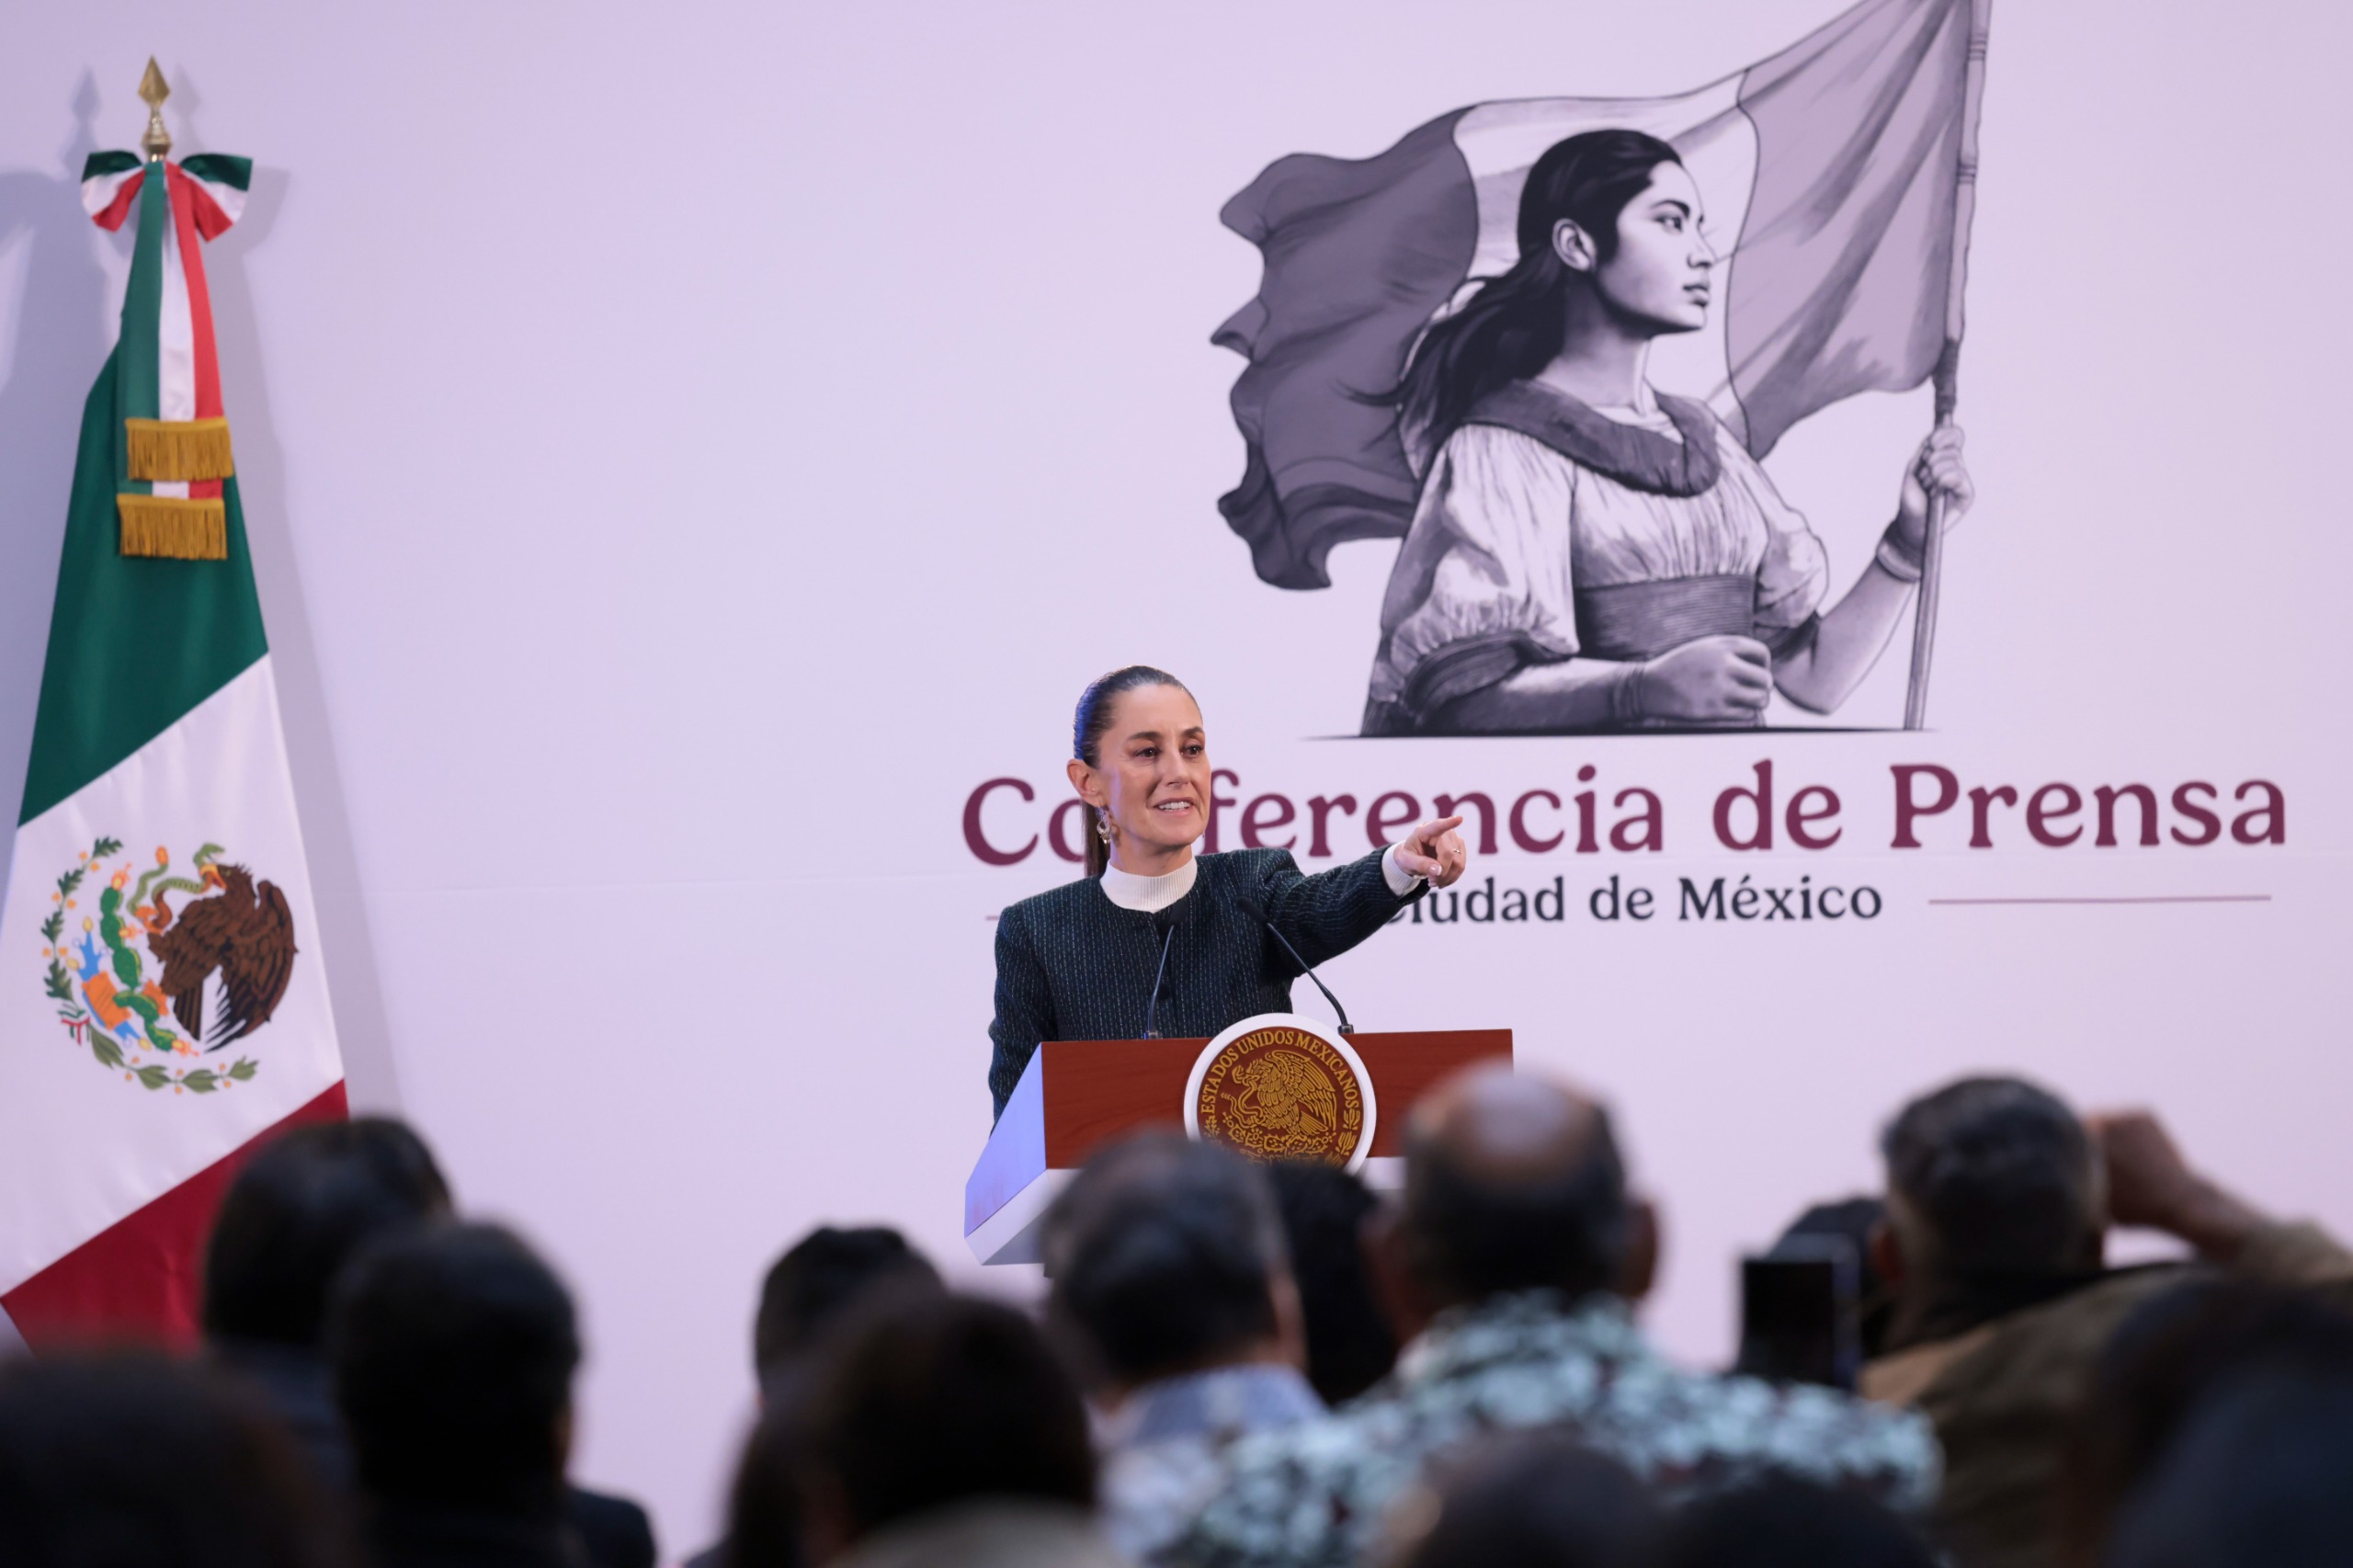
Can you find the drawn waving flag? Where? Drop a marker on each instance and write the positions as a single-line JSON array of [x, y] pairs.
[[1829, 172]]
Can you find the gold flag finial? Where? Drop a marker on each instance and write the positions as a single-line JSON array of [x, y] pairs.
[[153, 90]]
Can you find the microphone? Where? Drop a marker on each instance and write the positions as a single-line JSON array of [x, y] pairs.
[[1166, 920], [1258, 911]]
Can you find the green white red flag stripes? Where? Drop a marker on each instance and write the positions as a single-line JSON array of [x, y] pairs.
[[162, 1005], [181, 381]]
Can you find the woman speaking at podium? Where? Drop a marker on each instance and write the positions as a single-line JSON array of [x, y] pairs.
[[1154, 939]]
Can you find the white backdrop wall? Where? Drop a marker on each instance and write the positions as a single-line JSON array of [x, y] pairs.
[[689, 448]]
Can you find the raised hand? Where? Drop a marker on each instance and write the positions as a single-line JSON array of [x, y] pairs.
[[2150, 1184], [1708, 680], [1938, 466], [1435, 850]]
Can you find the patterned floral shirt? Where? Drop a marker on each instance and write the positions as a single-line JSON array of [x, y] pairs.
[[1162, 1448], [1316, 1494]]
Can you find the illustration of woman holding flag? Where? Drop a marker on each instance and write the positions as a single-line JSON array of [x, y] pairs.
[[1588, 553]]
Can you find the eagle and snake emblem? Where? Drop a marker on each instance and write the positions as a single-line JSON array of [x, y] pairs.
[[156, 991], [1282, 1104], [1280, 1094]]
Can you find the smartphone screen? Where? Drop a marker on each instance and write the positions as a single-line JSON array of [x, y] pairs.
[[1800, 1315]]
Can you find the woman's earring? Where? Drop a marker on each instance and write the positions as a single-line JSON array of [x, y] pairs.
[[1103, 826]]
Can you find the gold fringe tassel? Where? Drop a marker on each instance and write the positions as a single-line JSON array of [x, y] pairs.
[[179, 448], [174, 527]]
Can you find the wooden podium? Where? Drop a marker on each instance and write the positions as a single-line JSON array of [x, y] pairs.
[[1078, 1093]]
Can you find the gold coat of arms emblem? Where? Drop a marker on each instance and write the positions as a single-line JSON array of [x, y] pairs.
[[1280, 1087]]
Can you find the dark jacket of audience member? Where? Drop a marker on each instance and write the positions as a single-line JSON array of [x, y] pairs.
[[132, 1462], [1172, 1283], [297, 1212], [1514, 1258], [2257, 1480], [453, 1350], [940, 1430], [1350, 1346], [1999, 1199], [2163, 1364]]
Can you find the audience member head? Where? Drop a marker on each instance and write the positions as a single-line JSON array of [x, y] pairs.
[[1780, 1521], [1532, 1500], [454, 1348], [1514, 1183], [2163, 1360], [1166, 1256], [928, 1399], [2258, 1477], [1350, 1346], [811, 1285], [132, 1462], [1989, 1179], [765, 1518], [302, 1206]]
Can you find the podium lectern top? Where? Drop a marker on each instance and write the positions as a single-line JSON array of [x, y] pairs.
[[1075, 1094]]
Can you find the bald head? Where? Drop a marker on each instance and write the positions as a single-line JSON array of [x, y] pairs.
[[1503, 1126], [1513, 1183]]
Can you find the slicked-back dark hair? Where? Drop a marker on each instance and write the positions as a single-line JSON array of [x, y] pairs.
[[1350, 1346], [928, 1399], [454, 1348], [1781, 1519], [2002, 1173], [1514, 324], [819, 1277], [1092, 721], [1534, 1499], [296, 1213], [767, 1516], [1163, 1253], [1474, 1235]]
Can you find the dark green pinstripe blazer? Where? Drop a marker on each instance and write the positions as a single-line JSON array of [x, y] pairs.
[[1073, 965]]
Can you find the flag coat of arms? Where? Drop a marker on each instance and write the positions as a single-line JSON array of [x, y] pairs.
[[163, 1007], [1834, 177]]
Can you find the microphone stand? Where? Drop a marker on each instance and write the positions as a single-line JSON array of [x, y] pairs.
[[1305, 967], [1309, 971], [1152, 1013]]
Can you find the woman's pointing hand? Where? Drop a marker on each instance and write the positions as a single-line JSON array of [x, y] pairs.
[[1435, 850]]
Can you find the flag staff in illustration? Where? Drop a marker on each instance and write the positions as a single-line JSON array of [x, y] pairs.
[[162, 1003], [1462, 343]]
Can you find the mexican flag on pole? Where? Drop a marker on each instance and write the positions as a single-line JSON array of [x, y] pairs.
[[163, 1007]]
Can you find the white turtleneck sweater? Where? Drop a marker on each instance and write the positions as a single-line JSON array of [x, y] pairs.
[[1148, 894]]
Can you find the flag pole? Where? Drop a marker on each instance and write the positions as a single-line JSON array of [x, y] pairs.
[[153, 90], [1947, 375]]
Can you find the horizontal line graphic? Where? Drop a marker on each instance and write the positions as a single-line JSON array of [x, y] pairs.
[[2160, 898]]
